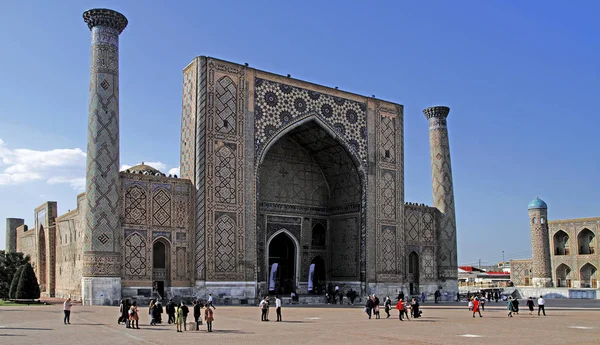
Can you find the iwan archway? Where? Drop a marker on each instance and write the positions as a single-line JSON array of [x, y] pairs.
[[309, 182]]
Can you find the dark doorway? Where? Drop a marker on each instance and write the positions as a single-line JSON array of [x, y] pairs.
[[158, 289], [413, 273], [319, 279], [160, 262], [283, 252]]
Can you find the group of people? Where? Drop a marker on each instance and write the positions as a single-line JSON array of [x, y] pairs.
[[513, 306], [403, 307], [177, 314], [264, 305]]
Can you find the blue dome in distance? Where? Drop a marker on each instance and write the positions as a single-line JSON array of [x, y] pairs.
[[537, 203]]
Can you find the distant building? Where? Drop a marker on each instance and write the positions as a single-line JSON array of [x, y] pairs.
[[564, 254], [473, 279]]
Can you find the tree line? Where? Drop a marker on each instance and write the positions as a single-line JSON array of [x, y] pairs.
[[17, 277]]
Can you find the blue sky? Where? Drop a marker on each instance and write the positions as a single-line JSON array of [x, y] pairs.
[[521, 81]]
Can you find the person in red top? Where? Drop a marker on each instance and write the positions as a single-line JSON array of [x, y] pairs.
[[476, 307], [400, 307]]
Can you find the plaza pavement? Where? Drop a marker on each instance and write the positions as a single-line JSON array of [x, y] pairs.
[[334, 324]]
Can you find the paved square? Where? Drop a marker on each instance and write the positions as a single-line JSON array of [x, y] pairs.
[[304, 325]]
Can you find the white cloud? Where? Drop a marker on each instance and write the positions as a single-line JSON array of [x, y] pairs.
[[57, 166], [53, 166]]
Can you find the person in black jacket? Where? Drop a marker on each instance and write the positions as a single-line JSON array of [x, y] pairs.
[[171, 311], [197, 312], [185, 311], [369, 306]]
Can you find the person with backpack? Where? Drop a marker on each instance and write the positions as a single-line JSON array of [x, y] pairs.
[[133, 316]]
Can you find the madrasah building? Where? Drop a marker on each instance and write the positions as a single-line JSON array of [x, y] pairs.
[[565, 257], [285, 186]]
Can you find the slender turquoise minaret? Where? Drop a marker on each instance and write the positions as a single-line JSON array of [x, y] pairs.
[[101, 278], [541, 266]]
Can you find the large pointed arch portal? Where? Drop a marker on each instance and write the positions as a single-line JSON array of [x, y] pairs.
[[310, 181]]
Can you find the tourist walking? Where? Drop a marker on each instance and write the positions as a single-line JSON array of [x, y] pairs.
[[179, 318], [171, 311], [516, 306], [209, 317], [510, 307], [376, 307], [133, 316], [123, 308], [482, 302], [437, 295], [210, 301], [423, 297], [530, 305], [471, 304], [67, 310], [197, 309], [476, 307], [414, 307], [541, 304], [152, 313], [369, 306], [184, 312], [387, 304], [400, 306], [159, 312], [278, 308]]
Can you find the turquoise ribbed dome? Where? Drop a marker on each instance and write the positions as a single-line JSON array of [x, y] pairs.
[[537, 203]]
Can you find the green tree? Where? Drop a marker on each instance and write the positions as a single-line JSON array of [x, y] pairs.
[[15, 282], [9, 263], [28, 287]]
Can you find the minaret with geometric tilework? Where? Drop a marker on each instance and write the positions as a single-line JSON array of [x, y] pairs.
[[541, 264], [443, 197], [101, 279]]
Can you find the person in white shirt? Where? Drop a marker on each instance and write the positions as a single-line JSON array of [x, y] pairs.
[[210, 301], [541, 304], [278, 306], [263, 309]]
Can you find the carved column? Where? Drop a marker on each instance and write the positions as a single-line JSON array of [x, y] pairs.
[[101, 281], [443, 196]]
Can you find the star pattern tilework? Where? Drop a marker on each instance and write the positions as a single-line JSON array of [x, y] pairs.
[[278, 106]]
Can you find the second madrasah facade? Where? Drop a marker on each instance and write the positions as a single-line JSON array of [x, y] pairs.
[[274, 172], [565, 257]]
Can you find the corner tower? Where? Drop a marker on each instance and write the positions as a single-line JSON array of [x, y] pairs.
[[443, 196], [540, 244], [101, 278]]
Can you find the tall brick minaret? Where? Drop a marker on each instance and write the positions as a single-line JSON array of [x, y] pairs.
[[443, 198], [541, 266], [101, 279]]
